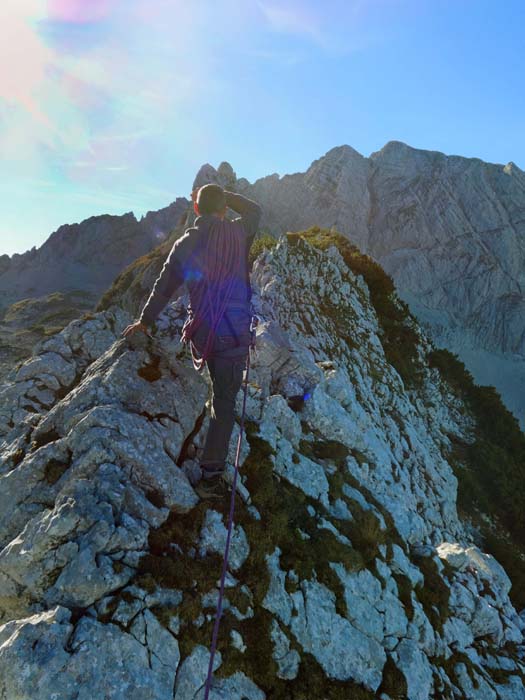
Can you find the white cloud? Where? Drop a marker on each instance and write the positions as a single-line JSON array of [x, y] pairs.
[[293, 18], [336, 26]]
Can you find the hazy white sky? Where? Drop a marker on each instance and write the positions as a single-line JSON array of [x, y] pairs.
[[113, 105]]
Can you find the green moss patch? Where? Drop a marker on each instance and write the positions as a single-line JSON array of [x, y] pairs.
[[404, 588], [262, 242], [325, 449], [394, 683], [398, 326], [54, 470], [433, 593], [490, 468]]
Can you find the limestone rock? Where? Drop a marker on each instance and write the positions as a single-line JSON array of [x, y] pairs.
[[349, 563]]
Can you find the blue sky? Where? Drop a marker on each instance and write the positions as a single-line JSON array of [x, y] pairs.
[[113, 105]]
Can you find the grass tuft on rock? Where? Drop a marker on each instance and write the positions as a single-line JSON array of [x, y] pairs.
[[398, 326], [490, 469]]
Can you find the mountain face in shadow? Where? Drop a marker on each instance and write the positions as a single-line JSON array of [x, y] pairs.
[[42, 290], [352, 574]]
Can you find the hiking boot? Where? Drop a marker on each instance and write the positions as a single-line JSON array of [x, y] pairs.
[[240, 488], [212, 487]]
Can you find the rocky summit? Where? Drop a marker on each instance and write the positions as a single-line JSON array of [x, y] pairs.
[[353, 573], [449, 230]]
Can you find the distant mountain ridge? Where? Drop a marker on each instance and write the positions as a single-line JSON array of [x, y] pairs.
[[43, 289], [449, 230], [87, 255]]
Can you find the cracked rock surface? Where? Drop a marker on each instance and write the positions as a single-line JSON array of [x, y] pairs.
[[351, 574]]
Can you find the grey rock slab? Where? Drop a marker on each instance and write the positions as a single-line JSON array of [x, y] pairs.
[[43, 656], [343, 651], [416, 668], [213, 539]]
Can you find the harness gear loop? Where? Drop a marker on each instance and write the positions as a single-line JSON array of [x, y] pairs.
[[253, 326]]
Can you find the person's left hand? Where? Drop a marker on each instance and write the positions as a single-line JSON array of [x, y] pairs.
[[134, 327]]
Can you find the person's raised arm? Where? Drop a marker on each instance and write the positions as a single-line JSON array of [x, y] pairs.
[[170, 278], [249, 210]]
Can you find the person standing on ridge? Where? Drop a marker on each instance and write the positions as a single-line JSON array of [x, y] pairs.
[[211, 258]]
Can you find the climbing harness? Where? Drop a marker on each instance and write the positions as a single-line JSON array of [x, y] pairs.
[[253, 328]]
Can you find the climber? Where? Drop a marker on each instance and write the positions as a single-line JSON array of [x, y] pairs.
[[211, 258]]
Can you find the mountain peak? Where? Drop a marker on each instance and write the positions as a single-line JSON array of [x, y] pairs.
[[511, 168], [344, 150], [206, 173], [393, 147], [224, 175]]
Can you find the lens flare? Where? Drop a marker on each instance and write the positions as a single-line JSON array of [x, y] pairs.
[[79, 11]]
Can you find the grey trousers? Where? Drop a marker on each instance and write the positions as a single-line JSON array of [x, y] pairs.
[[226, 375], [226, 368]]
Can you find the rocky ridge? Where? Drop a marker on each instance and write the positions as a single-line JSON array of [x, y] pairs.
[[85, 256], [449, 230], [351, 574], [43, 289]]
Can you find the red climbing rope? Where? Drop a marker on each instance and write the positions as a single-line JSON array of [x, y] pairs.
[[220, 266], [218, 614]]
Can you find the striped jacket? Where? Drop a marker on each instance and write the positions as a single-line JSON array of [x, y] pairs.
[[177, 268]]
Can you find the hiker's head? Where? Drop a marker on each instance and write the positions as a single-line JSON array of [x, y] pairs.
[[211, 200]]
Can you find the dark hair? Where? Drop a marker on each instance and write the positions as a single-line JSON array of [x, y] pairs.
[[211, 199]]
